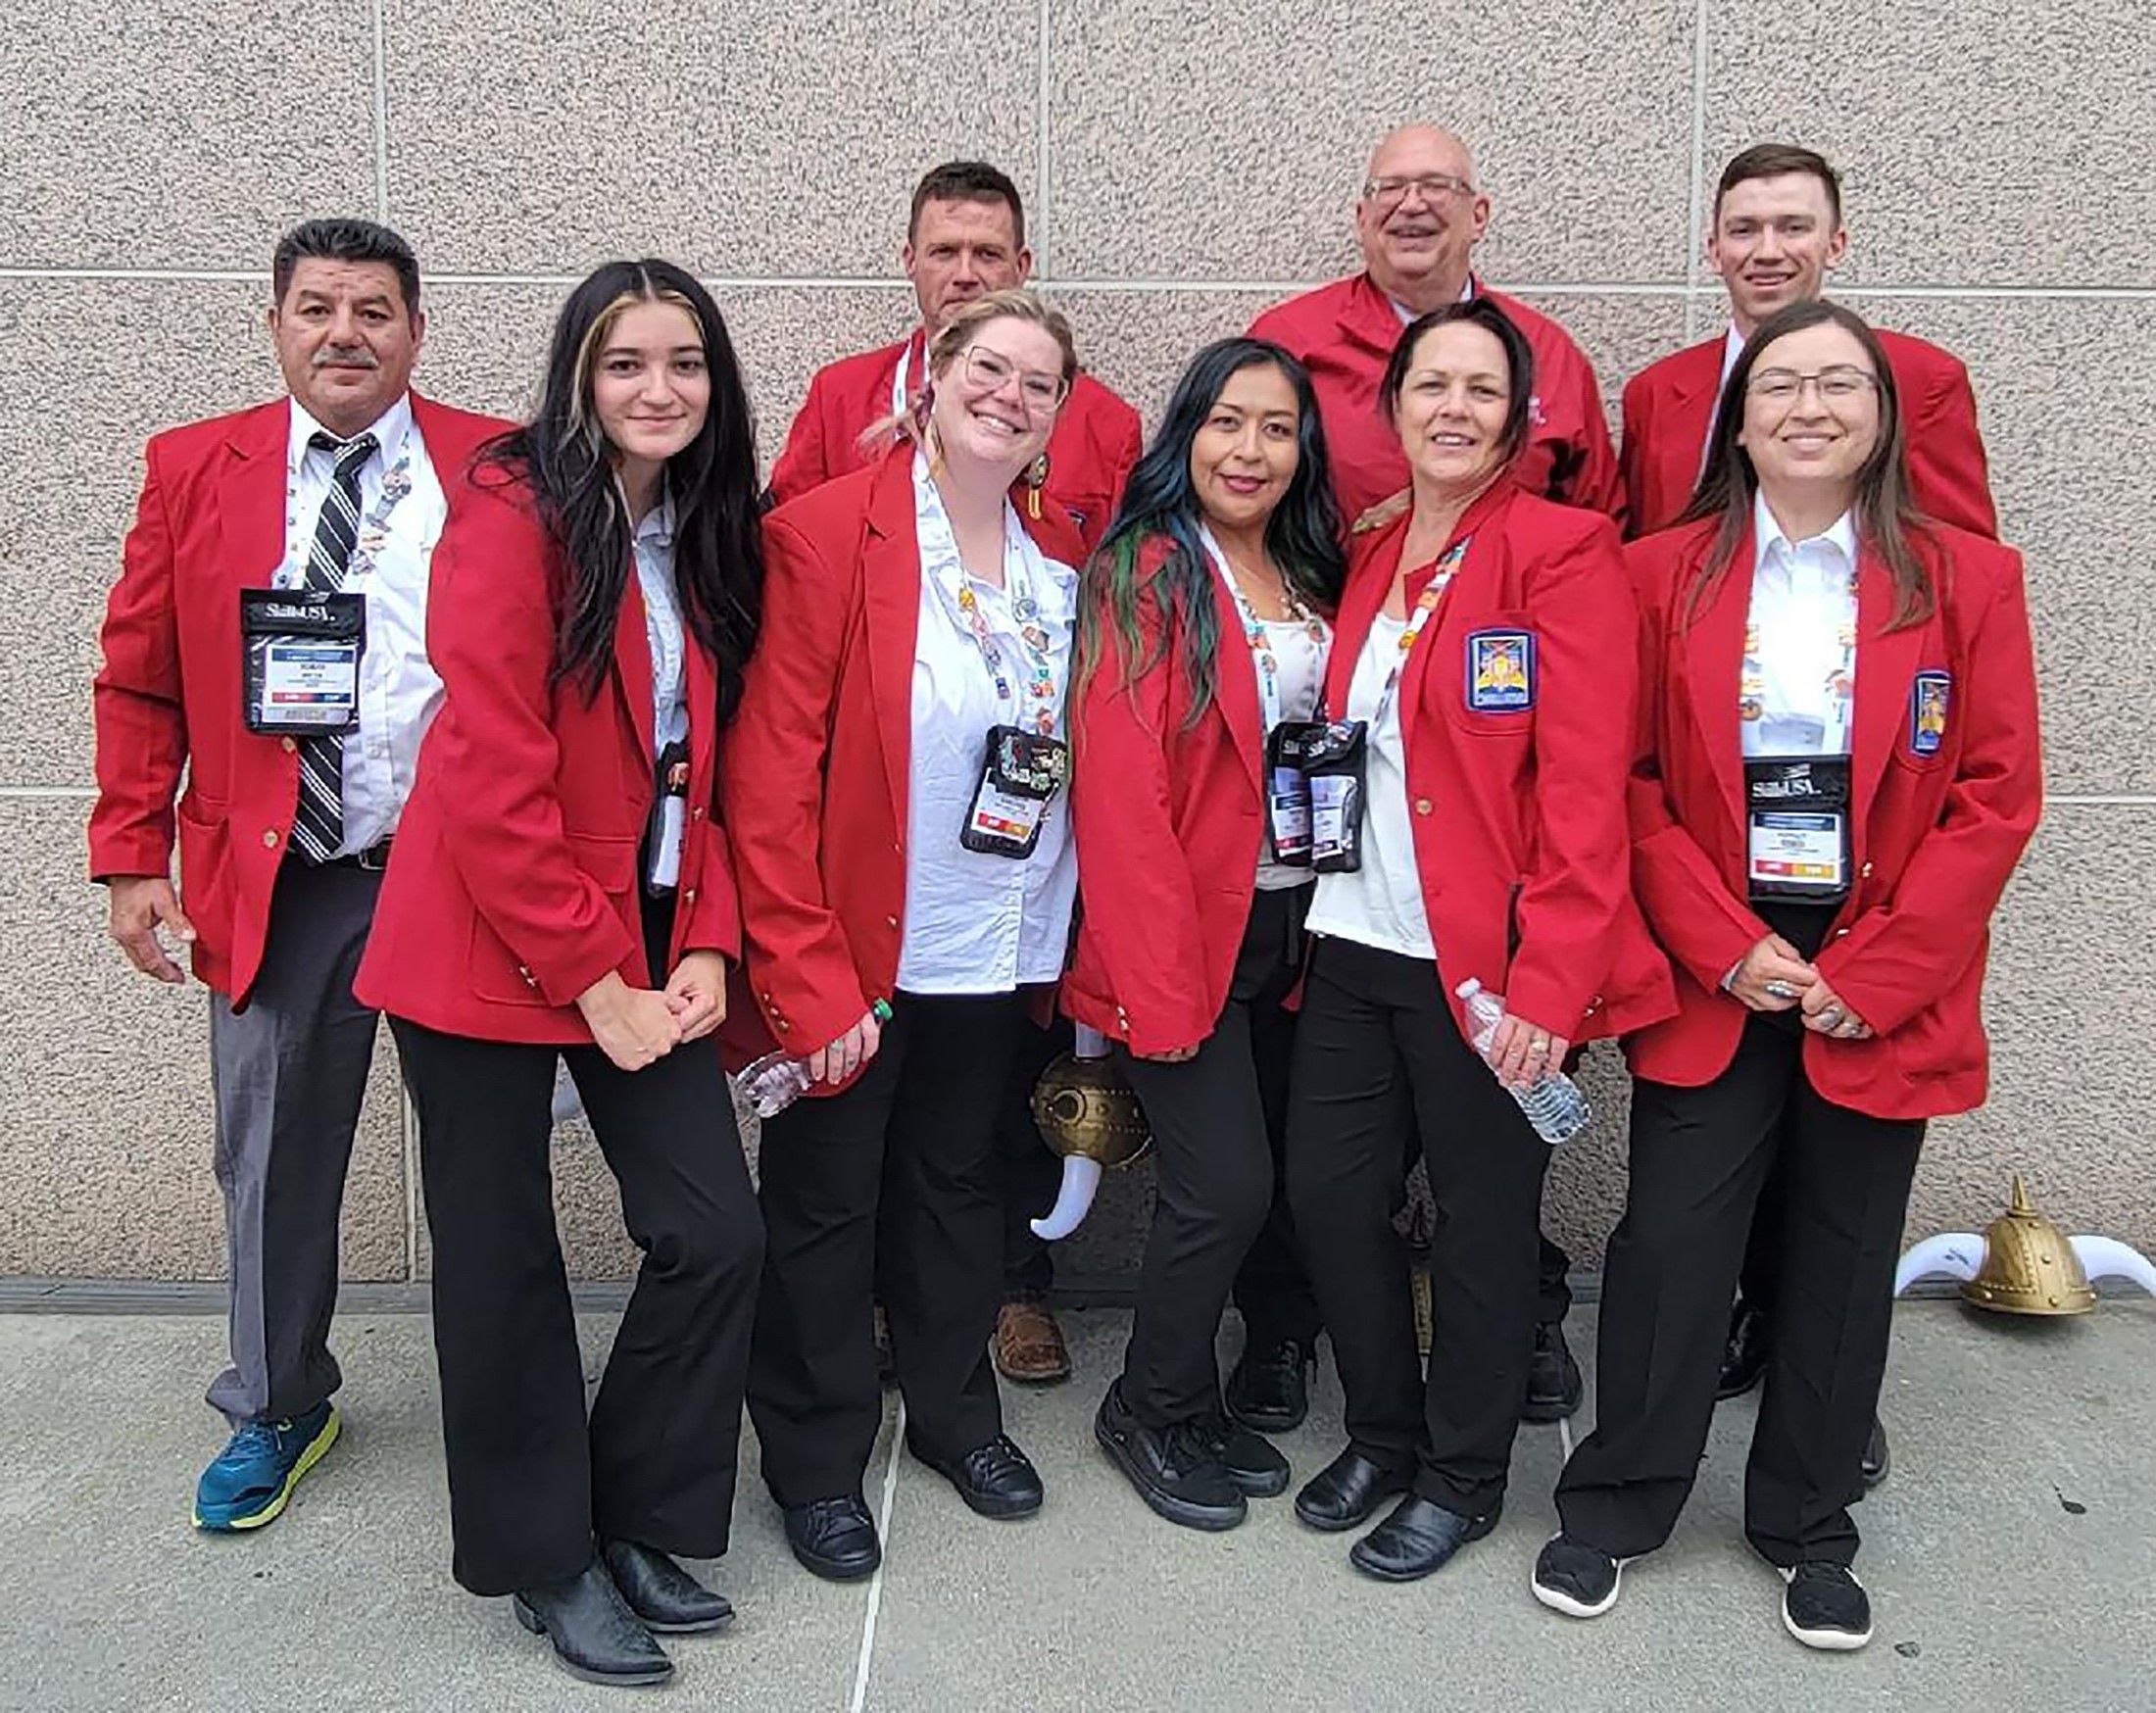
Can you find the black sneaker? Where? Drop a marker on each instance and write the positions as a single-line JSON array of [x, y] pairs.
[[1553, 1385], [1826, 1606], [1174, 1469], [1575, 1579], [1250, 1460], [1269, 1387]]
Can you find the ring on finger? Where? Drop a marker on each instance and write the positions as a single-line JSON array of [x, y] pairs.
[[1778, 989]]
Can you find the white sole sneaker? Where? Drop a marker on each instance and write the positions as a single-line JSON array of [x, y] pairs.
[[1826, 1640], [1558, 1600]]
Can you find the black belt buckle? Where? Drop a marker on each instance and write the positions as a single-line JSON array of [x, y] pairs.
[[374, 859]]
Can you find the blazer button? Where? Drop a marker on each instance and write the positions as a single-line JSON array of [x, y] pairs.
[[689, 896], [696, 813], [1422, 806], [783, 1025], [1865, 873], [1842, 933], [892, 920], [269, 838], [290, 746]]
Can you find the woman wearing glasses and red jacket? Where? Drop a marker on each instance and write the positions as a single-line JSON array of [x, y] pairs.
[[906, 876]]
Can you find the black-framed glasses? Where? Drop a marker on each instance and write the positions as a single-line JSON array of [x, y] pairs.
[[1434, 187], [991, 372], [1842, 384]]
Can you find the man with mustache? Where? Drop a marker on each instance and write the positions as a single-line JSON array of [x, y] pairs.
[[1776, 234], [1418, 218], [267, 637]]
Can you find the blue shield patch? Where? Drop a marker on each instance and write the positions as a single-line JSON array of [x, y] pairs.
[[1500, 671], [1929, 697]]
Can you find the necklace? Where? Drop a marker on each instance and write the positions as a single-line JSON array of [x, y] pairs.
[[1297, 609]]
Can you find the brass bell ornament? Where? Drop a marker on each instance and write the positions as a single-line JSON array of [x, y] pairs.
[[2024, 1264], [1088, 1113]]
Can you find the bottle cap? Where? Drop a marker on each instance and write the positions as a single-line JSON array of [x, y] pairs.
[[881, 1011], [1467, 989]]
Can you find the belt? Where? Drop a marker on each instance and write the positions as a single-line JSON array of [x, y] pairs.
[[372, 860]]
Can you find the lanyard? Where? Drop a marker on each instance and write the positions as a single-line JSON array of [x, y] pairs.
[[1037, 705], [902, 395], [1440, 580], [373, 533], [1840, 683], [1262, 658]]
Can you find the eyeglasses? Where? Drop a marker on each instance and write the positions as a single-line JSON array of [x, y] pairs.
[[1842, 384], [990, 371], [1434, 187]]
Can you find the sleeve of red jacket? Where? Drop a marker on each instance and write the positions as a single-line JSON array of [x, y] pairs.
[[714, 919], [1895, 959], [135, 701], [803, 462], [1576, 891], [1140, 899], [1688, 908], [771, 776], [1948, 472], [1600, 484], [491, 758], [1632, 455]]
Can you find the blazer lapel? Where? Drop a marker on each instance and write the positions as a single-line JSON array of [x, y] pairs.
[[632, 664], [1693, 390], [1714, 665], [251, 493], [1376, 559], [1886, 665], [891, 600], [1237, 687]]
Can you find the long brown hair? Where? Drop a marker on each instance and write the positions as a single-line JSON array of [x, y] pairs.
[[1886, 516]]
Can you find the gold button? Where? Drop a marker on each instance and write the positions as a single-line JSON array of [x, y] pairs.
[[783, 1025], [1422, 806], [696, 813], [689, 896], [893, 920], [1842, 933], [1865, 871], [291, 747], [269, 838]]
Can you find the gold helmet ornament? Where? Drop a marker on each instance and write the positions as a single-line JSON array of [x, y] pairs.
[[2022, 1264], [1088, 1113]]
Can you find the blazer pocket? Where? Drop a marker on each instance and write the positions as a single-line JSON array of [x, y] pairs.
[[498, 977]]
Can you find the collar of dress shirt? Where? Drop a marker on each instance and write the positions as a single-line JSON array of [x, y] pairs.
[[657, 529], [1733, 347], [1407, 315], [1776, 553], [388, 430]]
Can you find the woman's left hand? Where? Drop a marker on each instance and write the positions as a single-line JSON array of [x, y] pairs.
[[1522, 1053], [1827, 1012], [697, 993]]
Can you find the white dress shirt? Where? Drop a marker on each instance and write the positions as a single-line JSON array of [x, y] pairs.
[[654, 579], [397, 689], [1799, 667], [977, 923], [1379, 904]]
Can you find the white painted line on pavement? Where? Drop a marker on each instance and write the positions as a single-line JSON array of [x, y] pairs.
[[875, 1582]]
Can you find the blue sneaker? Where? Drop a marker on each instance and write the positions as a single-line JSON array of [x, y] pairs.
[[253, 1477]]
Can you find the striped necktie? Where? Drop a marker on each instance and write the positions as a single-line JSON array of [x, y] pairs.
[[317, 825]]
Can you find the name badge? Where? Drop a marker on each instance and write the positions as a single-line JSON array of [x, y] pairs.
[[1021, 772], [1288, 796], [300, 652], [1799, 828], [1929, 697], [1500, 671], [1332, 757], [668, 820]]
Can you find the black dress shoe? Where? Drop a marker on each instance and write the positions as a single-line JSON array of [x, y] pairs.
[[1745, 1356], [1347, 1492], [1418, 1537], [659, 1592], [1269, 1389], [1175, 1469], [1554, 1386], [834, 1537], [996, 1479], [594, 1634], [1252, 1463], [1878, 1459]]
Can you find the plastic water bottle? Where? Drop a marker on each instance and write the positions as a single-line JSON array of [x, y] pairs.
[[1553, 1104], [774, 1082]]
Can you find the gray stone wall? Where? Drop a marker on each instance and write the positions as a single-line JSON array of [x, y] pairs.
[[1185, 166]]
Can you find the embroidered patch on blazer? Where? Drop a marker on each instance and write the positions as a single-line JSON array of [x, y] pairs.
[[1501, 671], [1929, 697]]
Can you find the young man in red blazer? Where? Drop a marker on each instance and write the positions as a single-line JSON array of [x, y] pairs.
[[966, 237], [282, 834], [1776, 233], [1418, 218]]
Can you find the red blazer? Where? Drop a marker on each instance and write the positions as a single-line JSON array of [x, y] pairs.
[[1169, 821], [1519, 816], [819, 757], [513, 884], [1344, 333], [209, 522], [1934, 836], [1097, 438], [1669, 406]]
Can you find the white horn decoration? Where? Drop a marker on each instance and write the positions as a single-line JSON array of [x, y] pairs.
[[2106, 1258], [1959, 1255], [1074, 1200]]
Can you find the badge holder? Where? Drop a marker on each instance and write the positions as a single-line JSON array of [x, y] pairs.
[[1797, 830], [1287, 790], [299, 653], [1020, 773], [662, 836], [1332, 756]]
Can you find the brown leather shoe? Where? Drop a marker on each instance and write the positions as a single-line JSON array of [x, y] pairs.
[[1029, 1344]]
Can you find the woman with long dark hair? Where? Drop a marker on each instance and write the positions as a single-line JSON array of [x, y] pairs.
[[1841, 769], [560, 889], [895, 785], [1203, 633], [1474, 665]]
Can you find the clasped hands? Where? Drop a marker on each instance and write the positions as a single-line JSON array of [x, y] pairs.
[[636, 1026], [1772, 976]]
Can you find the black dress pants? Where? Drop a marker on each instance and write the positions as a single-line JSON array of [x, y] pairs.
[[1218, 1120], [1029, 1174], [905, 1156], [530, 1479], [1699, 1158], [1378, 1054]]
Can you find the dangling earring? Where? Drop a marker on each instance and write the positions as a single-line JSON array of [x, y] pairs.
[[1036, 479]]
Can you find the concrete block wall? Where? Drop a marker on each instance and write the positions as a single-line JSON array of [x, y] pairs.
[[1183, 166]]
